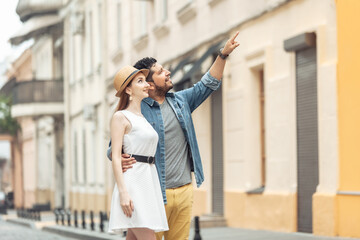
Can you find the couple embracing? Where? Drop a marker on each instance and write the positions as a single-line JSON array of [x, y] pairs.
[[154, 149]]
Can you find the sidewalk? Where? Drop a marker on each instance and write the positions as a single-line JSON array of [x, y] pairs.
[[221, 233]]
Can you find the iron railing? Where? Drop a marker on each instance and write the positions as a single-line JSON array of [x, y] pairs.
[[38, 91]]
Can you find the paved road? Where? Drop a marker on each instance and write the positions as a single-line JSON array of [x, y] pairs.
[[10, 231]]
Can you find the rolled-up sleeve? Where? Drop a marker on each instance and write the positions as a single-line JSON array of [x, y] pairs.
[[210, 82]]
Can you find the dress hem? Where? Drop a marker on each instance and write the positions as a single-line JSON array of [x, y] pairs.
[[120, 230]]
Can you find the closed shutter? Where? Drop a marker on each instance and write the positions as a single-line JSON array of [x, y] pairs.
[[307, 134], [217, 153]]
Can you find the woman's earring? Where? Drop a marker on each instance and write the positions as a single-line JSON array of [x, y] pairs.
[[130, 98]]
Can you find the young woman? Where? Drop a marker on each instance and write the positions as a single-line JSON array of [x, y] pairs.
[[137, 203]]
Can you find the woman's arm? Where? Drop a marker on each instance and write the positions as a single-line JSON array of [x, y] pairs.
[[119, 126]]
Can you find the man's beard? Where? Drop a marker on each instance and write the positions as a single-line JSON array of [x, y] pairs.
[[161, 91]]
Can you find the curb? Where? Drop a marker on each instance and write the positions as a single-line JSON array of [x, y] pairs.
[[21, 222], [79, 233]]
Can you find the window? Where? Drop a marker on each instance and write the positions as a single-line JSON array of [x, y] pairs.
[[94, 154], [119, 29], [84, 155], [90, 42], [140, 17], [75, 162], [99, 31], [262, 125], [161, 10], [72, 59], [143, 22]]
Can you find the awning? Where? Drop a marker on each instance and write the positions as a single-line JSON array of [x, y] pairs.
[[214, 48], [35, 26]]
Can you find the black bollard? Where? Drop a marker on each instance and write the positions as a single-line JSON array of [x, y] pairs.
[[197, 229], [101, 221], [62, 212], [75, 219], [92, 225], [83, 219], [38, 216], [56, 212], [68, 213], [33, 214]]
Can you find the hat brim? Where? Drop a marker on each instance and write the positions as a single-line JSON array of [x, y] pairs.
[[144, 71]]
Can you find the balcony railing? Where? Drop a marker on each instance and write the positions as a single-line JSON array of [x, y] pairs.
[[38, 91]]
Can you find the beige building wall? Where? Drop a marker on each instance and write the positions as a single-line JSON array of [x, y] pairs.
[[264, 49], [29, 158], [84, 83], [24, 158], [263, 25], [135, 29]]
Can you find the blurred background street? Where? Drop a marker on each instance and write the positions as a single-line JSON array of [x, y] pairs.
[[278, 141]]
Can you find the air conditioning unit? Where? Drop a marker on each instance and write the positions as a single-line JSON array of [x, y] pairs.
[[89, 112]]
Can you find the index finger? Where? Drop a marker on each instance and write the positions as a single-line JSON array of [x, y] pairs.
[[125, 155], [236, 34]]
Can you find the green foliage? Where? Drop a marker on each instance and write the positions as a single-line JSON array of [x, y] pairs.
[[8, 124]]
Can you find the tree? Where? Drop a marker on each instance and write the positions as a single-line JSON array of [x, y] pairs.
[[8, 124]]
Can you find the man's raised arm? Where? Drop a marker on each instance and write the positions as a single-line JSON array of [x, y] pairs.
[[217, 68]]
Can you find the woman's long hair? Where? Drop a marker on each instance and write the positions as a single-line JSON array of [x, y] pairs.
[[124, 99]]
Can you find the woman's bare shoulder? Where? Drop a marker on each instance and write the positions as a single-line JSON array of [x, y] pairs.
[[120, 117]]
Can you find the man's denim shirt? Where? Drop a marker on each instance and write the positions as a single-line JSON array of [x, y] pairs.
[[183, 103]]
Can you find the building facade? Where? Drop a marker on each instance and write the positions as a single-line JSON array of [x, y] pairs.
[[37, 104], [277, 140], [85, 109], [347, 200], [248, 133]]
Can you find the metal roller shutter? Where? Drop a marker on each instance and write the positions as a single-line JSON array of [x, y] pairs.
[[307, 134], [217, 153]]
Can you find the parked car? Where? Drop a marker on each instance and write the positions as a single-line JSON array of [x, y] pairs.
[[3, 203]]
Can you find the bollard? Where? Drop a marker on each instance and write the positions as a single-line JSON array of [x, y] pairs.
[[38, 216], [197, 229], [62, 212], [101, 221], [56, 212], [83, 219], [32, 214], [92, 225], [68, 214], [27, 214], [75, 219]]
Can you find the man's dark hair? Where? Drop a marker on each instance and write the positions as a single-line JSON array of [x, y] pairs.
[[146, 63]]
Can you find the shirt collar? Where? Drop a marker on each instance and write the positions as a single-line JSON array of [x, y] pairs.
[[151, 101]]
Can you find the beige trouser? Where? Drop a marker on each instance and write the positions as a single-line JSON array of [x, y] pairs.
[[178, 212]]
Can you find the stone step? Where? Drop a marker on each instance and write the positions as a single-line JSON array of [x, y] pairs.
[[210, 221]]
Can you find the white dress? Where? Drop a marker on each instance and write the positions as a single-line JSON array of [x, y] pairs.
[[142, 182]]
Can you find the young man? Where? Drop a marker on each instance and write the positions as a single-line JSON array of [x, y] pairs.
[[177, 152]]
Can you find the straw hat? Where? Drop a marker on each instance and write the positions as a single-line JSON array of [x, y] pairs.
[[124, 76]]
